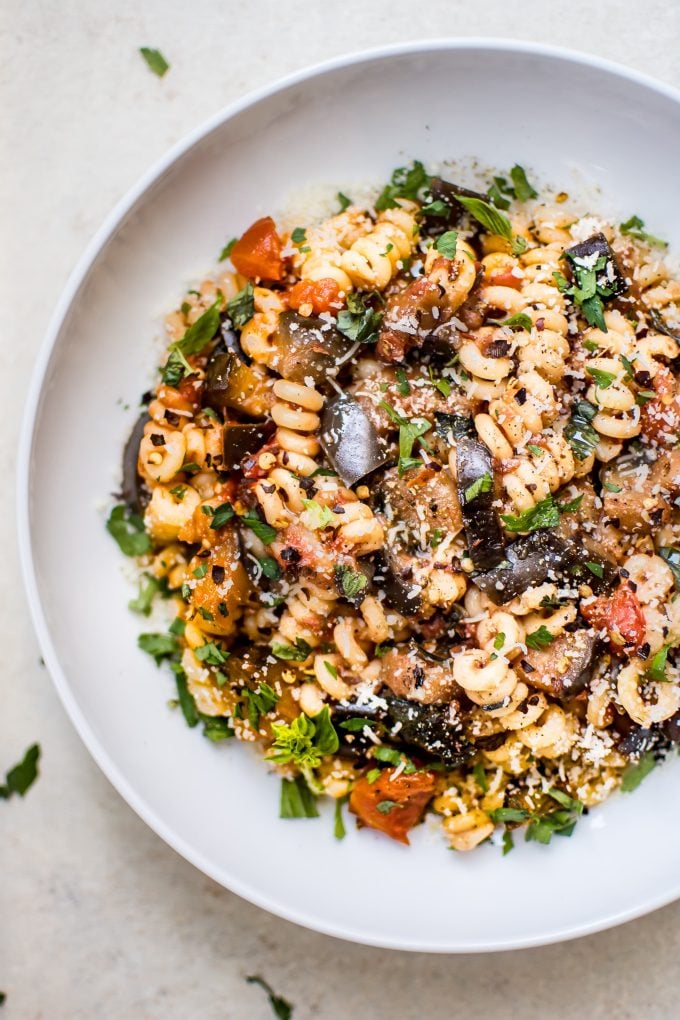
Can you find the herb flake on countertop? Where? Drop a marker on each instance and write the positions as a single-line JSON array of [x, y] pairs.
[[20, 778], [281, 1008], [155, 60]]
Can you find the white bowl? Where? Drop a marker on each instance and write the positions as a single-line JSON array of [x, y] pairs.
[[568, 118]]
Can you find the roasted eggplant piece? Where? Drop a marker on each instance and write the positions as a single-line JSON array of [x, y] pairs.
[[449, 193], [306, 347], [433, 504], [232, 385], [563, 668], [528, 562], [350, 440], [394, 575], [451, 427], [587, 253], [424, 730], [411, 674], [428, 728], [134, 491], [240, 440], [232, 344], [476, 485]]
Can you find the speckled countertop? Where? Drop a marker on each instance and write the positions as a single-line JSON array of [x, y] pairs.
[[98, 918]]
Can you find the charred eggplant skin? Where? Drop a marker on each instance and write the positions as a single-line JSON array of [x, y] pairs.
[[133, 489], [449, 193], [306, 348], [424, 730], [529, 561], [599, 246], [232, 385], [241, 440], [396, 580], [563, 668], [350, 440], [474, 465]]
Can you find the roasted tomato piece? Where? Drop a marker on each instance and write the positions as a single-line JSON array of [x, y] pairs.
[[660, 416], [392, 804], [319, 295], [621, 615], [505, 279], [258, 252]]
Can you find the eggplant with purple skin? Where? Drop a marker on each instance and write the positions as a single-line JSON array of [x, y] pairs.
[[476, 492], [563, 668], [587, 253], [231, 385], [306, 347], [448, 193], [394, 576], [241, 440], [421, 729], [134, 491], [350, 440], [529, 561]]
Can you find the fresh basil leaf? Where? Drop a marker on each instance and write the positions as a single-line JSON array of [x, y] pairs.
[[436, 209], [199, 335], [544, 514], [490, 218], [270, 568], [446, 244], [595, 568], [220, 515], [185, 697], [343, 201], [519, 321], [496, 195], [241, 308], [128, 530], [20, 778], [217, 728], [657, 667], [386, 806], [260, 701], [359, 322], [357, 725], [211, 654], [403, 385], [508, 842], [325, 738], [317, 516], [480, 777], [155, 60], [570, 803], [580, 433], [523, 190]]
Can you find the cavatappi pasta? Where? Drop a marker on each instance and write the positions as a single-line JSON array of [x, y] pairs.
[[409, 481]]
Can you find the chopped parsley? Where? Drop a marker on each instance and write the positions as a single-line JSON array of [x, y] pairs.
[[391, 756], [343, 201], [299, 235], [480, 485], [409, 432], [634, 227], [523, 191], [403, 385], [519, 321], [128, 530], [264, 531], [359, 322], [436, 209], [155, 60], [292, 653], [499, 641], [589, 287], [270, 568], [200, 571], [297, 800], [317, 517], [595, 568], [508, 814], [352, 582], [657, 667], [339, 830], [220, 515], [20, 778], [540, 638], [148, 588], [211, 654], [259, 701], [603, 380], [545, 514], [158, 646], [305, 741], [406, 182], [386, 806]]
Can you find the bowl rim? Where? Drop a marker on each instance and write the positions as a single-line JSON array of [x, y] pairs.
[[76, 279]]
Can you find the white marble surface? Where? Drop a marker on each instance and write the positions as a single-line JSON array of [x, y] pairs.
[[98, 918]]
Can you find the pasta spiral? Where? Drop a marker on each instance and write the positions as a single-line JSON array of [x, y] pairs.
[[373, 259]]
